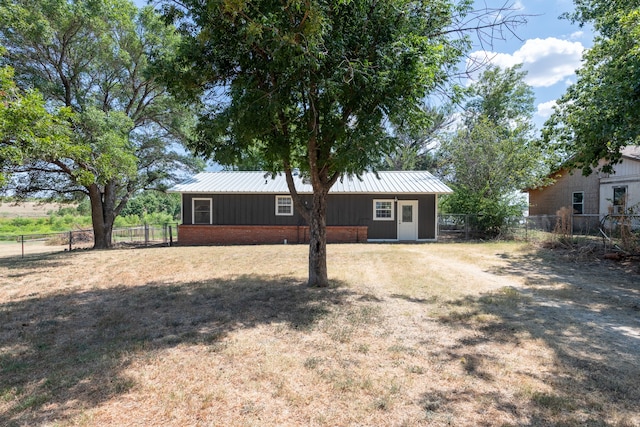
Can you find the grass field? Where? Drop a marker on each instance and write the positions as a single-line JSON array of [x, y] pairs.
[[493, 334]]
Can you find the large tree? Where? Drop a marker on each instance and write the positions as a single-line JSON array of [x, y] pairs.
[[493, 153], [312, 84], [92, 57], [600, 113]]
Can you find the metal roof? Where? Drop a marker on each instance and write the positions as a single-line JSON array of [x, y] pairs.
[[400, 182], [631, 152]]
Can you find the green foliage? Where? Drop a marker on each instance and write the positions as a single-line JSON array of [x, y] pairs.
[[416, 142], [503, 98], [68, 219], [492, 156], [153, 202], [52, 224], [135, 220], [600, 114], [25, 122], [126, 127], [311, 84], [489, 215]]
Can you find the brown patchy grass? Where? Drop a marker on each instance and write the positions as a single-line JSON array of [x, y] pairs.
[[407, 335]]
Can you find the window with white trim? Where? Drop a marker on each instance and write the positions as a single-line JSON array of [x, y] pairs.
[[284, 206], [201, 211], [383, 209], [578, 202]]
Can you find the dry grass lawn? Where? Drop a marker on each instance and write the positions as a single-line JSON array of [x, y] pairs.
[[495, 334]]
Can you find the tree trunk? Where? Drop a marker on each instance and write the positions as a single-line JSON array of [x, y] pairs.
[[318, 241], [102, 214]]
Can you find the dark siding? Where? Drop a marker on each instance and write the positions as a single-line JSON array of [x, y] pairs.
[[426, 216], [342, 209], [241, 209], [357, 209]]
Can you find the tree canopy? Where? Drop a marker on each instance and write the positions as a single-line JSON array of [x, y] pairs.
[[600, 113], [24, 122], [416, 148], [493, 153], [93, 58]]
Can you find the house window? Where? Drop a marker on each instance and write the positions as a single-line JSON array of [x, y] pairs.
[[619, 199], [578, 203], [284, 206], [201, 211], [383, 210]]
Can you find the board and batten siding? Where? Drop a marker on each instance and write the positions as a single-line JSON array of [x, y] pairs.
[[342, 210], [627, 174]]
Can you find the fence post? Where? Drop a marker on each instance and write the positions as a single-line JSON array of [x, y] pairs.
[[70, 239], [571, 225], [466, 227], [146, 234], [22, 243], [170, 236]]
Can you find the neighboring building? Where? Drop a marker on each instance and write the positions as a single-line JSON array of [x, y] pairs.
[[253, 208], [591, 196]]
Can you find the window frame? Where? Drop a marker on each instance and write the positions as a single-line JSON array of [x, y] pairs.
[[277, 205], [391, 210], [620, 204], [574, 203], [193, 210]]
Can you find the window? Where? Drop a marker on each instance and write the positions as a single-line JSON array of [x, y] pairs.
[[201, 211], [619, 199], [383, 210], [578, 202], [284, 206]]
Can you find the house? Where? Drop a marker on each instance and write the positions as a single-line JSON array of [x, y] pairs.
[[592, 197], [255, 207]]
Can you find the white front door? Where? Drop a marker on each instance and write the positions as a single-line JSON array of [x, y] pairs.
[[407, 220]]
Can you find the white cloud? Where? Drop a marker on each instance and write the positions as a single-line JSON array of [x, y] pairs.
[[547, 61], [545, 109], [576, 35]]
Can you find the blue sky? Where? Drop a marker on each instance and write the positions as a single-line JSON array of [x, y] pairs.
[[549, 48]]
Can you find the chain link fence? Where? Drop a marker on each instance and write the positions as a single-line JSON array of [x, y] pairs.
[[31, 244], [620, 232]]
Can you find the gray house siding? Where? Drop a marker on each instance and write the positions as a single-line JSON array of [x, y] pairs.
[[343, 210]]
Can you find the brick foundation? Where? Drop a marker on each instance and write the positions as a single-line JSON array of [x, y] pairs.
[[263, 234]]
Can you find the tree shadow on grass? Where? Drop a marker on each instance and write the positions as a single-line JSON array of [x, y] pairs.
[[66, 352], [588, 315], [33, 264]]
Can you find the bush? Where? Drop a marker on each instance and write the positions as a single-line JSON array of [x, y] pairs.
[[153, 202], [491, 215]]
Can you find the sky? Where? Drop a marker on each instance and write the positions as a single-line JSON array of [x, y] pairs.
[[549, 48]]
